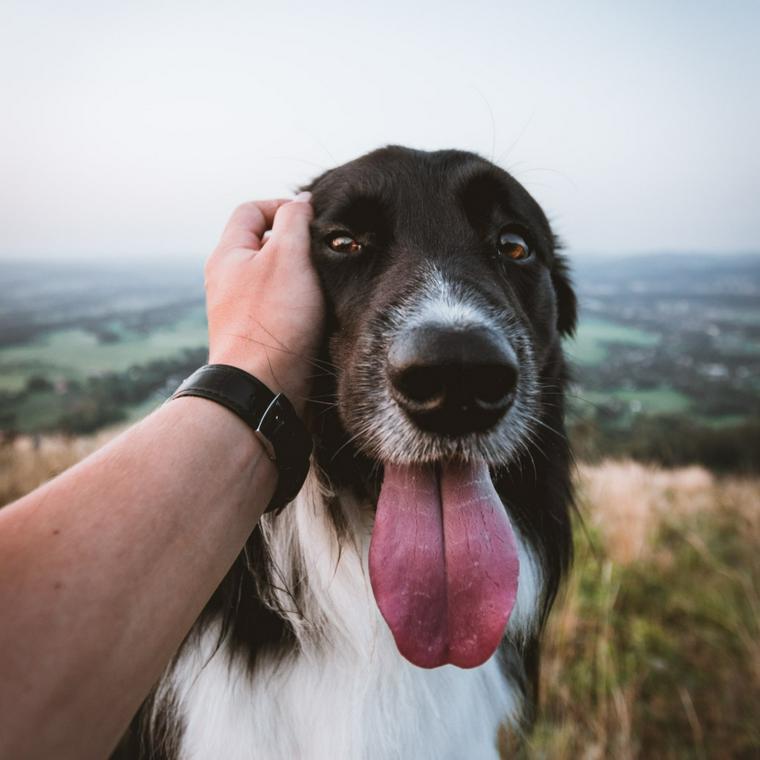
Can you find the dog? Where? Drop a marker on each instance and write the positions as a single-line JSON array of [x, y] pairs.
[[395, 608]]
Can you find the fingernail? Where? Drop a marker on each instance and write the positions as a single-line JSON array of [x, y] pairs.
[[304, 197]]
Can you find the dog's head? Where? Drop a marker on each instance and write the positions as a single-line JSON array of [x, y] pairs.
[[447, 299]]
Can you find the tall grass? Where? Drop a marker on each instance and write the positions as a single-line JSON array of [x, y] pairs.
[[653, 649], [28, 461]]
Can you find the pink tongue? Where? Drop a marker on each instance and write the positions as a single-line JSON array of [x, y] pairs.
[[443, 563]]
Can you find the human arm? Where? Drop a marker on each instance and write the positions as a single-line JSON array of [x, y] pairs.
[[104, 569]]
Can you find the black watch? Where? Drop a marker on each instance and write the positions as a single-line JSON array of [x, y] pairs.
[[270, 416]]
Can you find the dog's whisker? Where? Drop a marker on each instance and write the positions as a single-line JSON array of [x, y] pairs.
[[350, 440], [539, 421], [492, 153]]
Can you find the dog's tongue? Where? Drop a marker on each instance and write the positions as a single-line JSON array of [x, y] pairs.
[[443, 563]]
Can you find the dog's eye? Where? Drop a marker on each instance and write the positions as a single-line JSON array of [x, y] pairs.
[[344, 244], [513, 246]]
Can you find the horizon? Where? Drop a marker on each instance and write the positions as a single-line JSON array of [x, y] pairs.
[[199, 257]]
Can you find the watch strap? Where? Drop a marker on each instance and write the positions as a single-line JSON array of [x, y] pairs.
[[270, 416]]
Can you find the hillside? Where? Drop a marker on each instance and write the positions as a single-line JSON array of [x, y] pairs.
[[665, 364], [654, 647]]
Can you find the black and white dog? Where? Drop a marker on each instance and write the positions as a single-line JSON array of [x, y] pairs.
[[394, 609]]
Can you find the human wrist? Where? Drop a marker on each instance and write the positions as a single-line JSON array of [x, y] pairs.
[[225, 426], [267, 413]]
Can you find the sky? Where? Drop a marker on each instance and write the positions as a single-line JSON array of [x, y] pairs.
[[133, 129]]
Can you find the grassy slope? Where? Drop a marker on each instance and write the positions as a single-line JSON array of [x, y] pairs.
[[653, 650], [76, 354]]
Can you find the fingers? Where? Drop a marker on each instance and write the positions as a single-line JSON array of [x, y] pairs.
[[290, 228], [248, 223]]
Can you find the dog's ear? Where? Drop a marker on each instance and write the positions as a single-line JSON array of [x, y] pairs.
[[567, 303]]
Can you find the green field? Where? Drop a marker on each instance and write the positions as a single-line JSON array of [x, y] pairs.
[[650, 401], [75, 354], [590, 343]]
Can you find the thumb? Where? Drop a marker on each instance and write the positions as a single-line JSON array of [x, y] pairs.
[[290, 228]]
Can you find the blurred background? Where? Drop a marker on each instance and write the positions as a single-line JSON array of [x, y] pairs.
[[130, 131]]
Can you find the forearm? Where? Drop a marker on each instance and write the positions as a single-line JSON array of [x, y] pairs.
[[129, 545]]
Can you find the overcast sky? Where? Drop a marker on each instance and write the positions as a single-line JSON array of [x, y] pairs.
[[132, 129]]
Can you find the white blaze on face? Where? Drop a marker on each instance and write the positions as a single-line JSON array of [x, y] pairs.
[[441, 306]]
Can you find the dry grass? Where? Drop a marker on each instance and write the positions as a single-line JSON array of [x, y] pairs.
[[28, 461], [653, 650]]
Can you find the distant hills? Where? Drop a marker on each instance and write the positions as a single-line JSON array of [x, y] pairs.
[[666, 340]]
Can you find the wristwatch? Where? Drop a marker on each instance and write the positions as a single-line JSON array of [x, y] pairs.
[[271, 417]]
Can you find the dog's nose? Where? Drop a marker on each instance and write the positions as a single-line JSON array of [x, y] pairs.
[[453, 381]]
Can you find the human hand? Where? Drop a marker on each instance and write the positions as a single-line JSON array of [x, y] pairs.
[[263, 298]]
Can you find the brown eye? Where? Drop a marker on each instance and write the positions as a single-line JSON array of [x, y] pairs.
[[344, 244], [513, 246]]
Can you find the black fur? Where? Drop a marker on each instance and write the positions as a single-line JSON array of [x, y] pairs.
[[409, 207]]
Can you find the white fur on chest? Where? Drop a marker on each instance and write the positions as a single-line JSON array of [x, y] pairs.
[[348, 694]]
